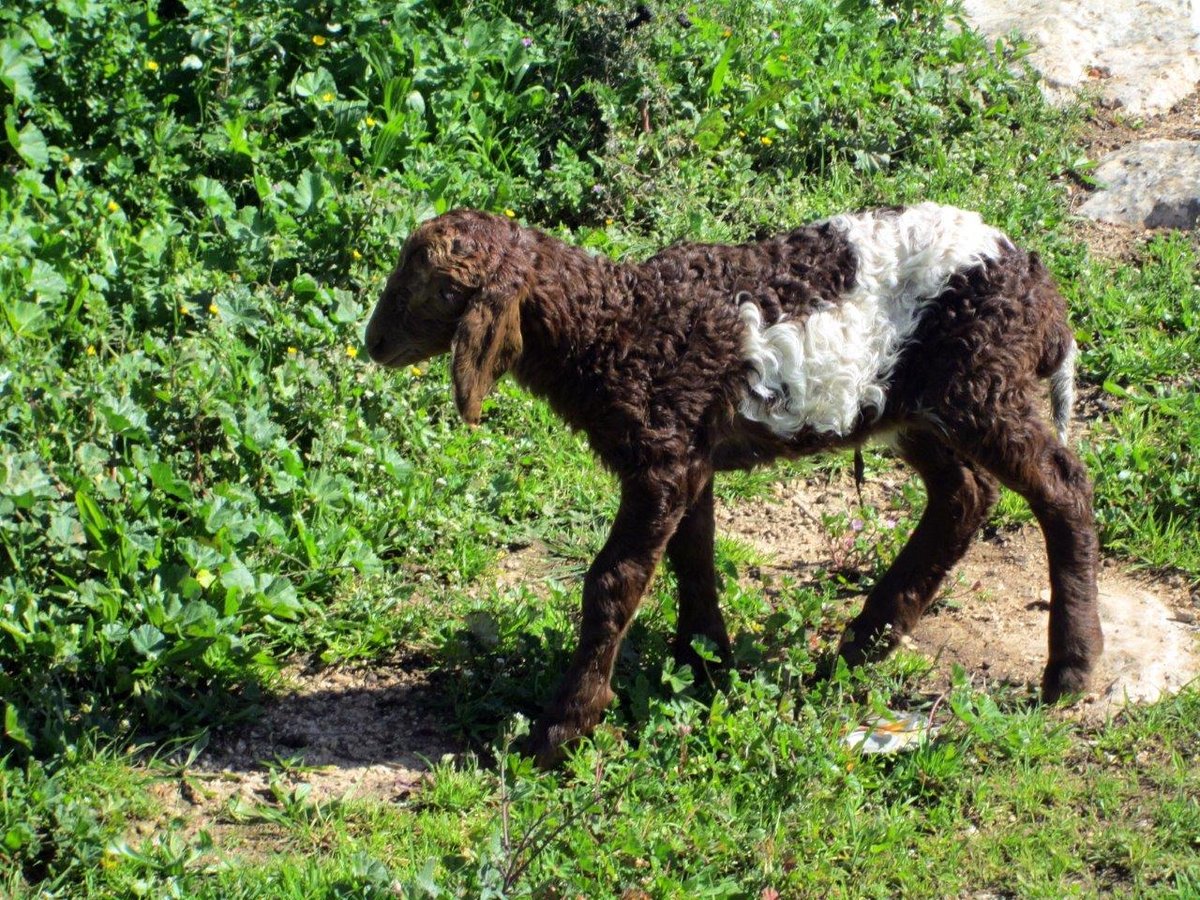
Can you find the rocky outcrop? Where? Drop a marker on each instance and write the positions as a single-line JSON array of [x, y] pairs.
[[1142, 56], [1153, 184]]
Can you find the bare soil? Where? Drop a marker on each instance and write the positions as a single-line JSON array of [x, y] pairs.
[[369, 731], [991, 615], [337, 733]]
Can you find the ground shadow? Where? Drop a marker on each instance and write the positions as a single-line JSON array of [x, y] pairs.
[[372, 730]]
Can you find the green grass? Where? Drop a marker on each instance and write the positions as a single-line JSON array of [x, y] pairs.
[[200, 476]]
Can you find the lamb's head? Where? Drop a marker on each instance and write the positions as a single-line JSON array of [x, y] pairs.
[[458, 287]]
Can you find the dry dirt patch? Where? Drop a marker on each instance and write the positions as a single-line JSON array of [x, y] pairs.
[[357, 731], [336, 733], [343, 732], [991, 616]]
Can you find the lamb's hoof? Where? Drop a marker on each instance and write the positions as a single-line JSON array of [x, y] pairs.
[[547, 744], [1065, 681], [862, 643], [686, 655]]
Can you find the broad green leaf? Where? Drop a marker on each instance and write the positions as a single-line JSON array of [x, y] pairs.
[[66, 531], [214, 196], [29, 143], [24, 480], [147, 640], [24, 318], [310, 188], [14, 730], [163, 477], [314, 84], [280, 600], [305, 286], [236, 575], [711, 129], [45, 282], [124, 416], [17, 59]]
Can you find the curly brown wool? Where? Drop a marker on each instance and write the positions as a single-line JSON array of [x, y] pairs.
[[648, 360]]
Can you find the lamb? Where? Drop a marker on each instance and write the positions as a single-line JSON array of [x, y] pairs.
[[921, 326]]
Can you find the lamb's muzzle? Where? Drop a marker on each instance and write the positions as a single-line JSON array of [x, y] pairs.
[[924, 323]]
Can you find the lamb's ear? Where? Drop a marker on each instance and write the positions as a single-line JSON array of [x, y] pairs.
[[487, 342]]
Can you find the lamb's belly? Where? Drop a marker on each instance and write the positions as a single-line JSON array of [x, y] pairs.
[[751, 444]]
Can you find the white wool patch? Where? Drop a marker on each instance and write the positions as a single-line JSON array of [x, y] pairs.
[[826, 372]]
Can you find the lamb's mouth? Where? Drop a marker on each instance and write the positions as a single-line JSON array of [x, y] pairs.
[[395, 357]]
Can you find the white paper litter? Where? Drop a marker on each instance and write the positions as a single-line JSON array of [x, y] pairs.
[[890, 733]]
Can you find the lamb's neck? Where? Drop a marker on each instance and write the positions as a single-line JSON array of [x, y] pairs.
[[565, 321]]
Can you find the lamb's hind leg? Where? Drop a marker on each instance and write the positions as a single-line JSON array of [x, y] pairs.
[[690, 552], [959, 499], [1026, 456]]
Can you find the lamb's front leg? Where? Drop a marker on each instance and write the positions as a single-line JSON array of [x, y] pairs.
[[690, 552], [651, 508]]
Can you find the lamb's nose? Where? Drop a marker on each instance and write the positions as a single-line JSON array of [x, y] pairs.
[[374, 345]]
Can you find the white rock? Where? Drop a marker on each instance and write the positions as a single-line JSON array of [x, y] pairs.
[[1146, 653], [1141, 55], [1155, 184]]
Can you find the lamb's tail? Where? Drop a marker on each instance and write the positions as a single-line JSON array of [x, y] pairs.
[[1062, 391], [1057, 361]]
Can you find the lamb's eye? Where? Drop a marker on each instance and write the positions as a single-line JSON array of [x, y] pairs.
[[450, 295]]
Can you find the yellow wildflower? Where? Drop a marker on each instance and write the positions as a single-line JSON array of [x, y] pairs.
[[152, 65], [727, 32], [113, 206], [510, 213], [292, 351], [352, 351], [212, 308], [319, 40], [608, 221], [415, 370], [90, 351], [355, 255], [370, 122], [765, 141], [328, 96], [184, 310], [741, 133], [783, 57]]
